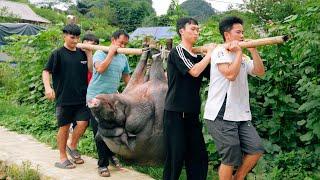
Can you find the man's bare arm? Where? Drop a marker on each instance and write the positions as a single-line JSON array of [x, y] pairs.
[[231, 70], [103, 66], [199, 67], [89, 60], [126, 78], [258, 67], [49, 92]]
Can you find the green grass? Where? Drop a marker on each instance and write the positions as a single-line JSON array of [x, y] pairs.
[[156, 172], [23, 119], [23, 172]]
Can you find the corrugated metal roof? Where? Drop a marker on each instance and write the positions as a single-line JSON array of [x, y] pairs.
[[165, 32], [22, 11]]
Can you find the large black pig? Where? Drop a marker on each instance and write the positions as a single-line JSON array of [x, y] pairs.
[[131, 123]]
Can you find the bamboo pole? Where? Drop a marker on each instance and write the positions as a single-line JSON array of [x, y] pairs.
[[250, 44], [196, 50], [133, 51]]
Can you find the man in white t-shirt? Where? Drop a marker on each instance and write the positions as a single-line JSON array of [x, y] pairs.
[[227, 109]]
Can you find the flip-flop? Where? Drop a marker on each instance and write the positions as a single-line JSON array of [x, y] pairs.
[[75, 156], [103, 172], [65, 165], [77, 161], [115, 161]]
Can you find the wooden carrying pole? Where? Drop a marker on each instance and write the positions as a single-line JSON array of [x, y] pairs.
[[251, 43], [196, 50], [133, 51]]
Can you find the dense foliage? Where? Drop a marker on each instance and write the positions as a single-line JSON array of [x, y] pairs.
[[169, 19], [130, 17], [285, 102], [199, 9], [116, 12], [274, 10]]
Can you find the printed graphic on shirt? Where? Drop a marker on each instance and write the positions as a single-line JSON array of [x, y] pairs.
[[220, 54]]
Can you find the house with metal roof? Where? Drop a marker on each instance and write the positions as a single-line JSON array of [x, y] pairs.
[[157, 33], [21, 11]]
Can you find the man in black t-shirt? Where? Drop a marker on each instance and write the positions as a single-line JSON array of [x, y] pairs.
[[182, 128], [68, 67]]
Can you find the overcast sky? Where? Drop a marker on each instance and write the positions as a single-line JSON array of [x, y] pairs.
[[161, 6]]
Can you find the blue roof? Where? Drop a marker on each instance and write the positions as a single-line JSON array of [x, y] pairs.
[[165, 32]]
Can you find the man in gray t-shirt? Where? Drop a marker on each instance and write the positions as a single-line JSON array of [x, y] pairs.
[[227, 108], [108, 70]]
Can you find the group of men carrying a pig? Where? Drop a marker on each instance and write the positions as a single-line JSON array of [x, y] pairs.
[[227, 111]]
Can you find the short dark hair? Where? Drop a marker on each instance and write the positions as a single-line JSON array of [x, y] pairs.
[[226, 24], [181, 23], [120, 32], [90, 37], [72, 29]]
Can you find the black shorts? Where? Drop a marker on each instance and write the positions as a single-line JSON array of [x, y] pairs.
[[234, 139], [72, 113]]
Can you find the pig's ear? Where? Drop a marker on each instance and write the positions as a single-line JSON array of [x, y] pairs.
[[120, 101], [120, 106]]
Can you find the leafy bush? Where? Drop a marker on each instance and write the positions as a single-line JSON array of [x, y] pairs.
[[31, 53], [286, 100], [296, 164], [274, 10], [8, 77], [285, 103], [104, 32]]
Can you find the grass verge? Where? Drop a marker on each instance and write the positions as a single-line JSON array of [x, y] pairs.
[[23, 172]]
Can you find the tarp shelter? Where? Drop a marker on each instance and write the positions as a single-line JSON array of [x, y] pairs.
[[21, 11], [165, 32], [8, 29]]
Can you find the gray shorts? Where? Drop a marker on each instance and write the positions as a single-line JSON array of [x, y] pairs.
[[234, 139]]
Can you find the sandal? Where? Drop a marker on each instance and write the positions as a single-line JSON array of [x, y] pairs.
[[103, 172], [65, 165], [115, 161], [75, 155]]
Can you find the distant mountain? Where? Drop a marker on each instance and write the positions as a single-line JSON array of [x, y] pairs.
[[199, 9]]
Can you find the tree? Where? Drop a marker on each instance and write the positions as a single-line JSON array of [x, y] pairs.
[[273, 10], [154, 20], [130, 17], [125, 14], [175, 12]]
